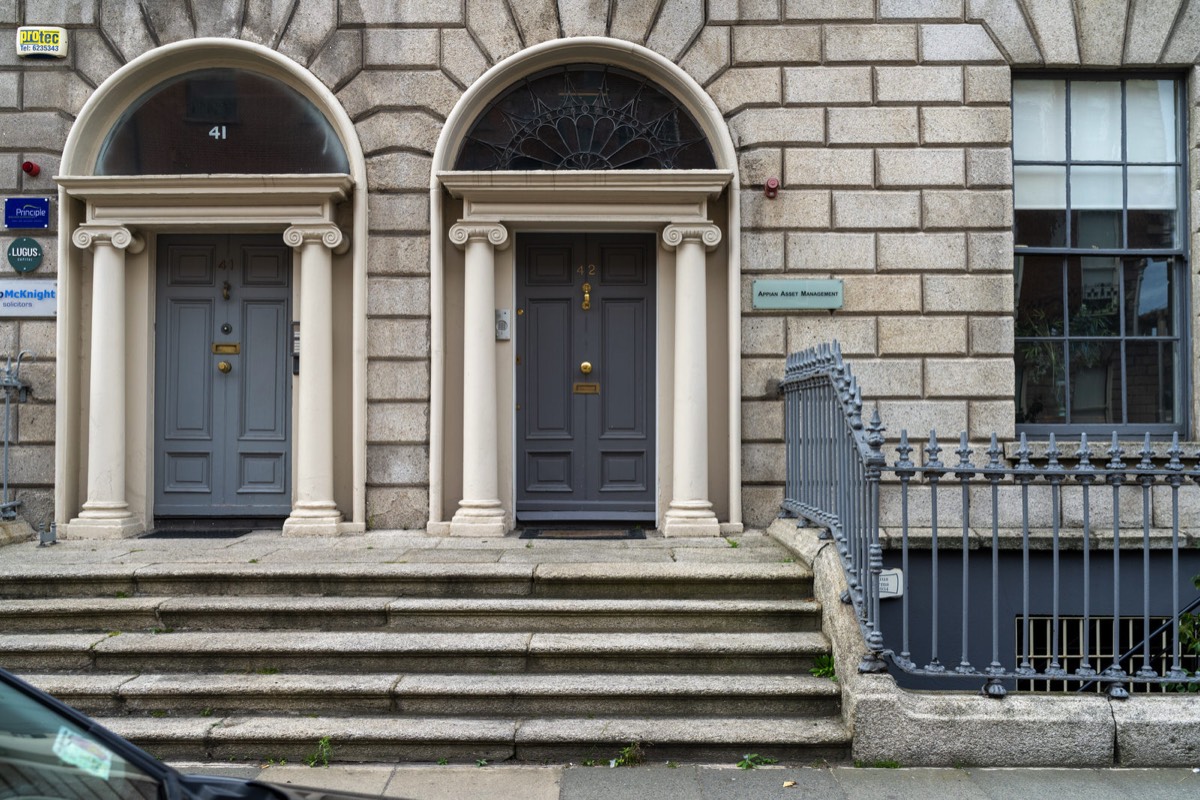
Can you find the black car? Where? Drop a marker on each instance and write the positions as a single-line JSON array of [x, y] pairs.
[[50, 751]]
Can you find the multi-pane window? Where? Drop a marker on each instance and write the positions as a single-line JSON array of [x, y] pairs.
[[1100, 267]]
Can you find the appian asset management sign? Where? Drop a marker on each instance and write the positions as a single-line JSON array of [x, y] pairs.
[[798, 294]]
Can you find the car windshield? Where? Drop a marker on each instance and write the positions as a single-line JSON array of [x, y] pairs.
[[45, 756]]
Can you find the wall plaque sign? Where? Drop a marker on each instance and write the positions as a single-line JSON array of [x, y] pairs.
[[27, 212], [41, 41], [798, 294], [25, 254], [21, 297]]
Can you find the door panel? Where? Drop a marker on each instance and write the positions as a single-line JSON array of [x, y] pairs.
[[222, 438], [263, 394], [263, 473], [189, 412], [585, 440], [188, 472], [623, 404], [551, 414]]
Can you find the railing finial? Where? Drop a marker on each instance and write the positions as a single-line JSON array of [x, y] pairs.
[[1084, 470], [1147, 454], [994, 452], [875, 429], [932, 450], [1052, 454], [854, 404], [1175, 464], [1114, 454]]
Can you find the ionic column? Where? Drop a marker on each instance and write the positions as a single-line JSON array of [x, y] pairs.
[[690, 512], [479, 512], [106, 512], [314, 512]]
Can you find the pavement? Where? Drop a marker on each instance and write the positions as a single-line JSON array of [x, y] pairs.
[[722, 782]]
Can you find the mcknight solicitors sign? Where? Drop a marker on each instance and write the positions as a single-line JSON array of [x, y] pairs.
[[26, 298]]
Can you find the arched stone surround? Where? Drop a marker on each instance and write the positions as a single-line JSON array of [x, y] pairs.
[[103, 476], [581, 201]]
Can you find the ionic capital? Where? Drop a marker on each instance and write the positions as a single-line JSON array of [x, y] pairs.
[[703, 233], [317, 233], [116, 236], [492, 232]]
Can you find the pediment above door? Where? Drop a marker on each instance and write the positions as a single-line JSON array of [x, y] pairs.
[[206, 201], [647, 197]]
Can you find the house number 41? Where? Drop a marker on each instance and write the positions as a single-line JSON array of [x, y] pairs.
[[217, 132]]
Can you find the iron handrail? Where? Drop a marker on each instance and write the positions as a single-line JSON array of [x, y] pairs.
[[834, 469]]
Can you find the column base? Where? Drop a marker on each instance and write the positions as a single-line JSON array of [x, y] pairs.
[[690, 518], [313, 519], [478, 518], [103, 527]]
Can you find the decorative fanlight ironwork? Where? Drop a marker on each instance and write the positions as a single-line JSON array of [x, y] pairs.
[[585, 117]]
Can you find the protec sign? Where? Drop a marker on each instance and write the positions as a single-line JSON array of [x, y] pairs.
[[27, 212], [41, 41]]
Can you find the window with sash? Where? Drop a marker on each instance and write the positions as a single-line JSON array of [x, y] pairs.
[[1101, 253]]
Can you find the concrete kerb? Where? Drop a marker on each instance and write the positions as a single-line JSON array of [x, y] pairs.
[[964, 729]]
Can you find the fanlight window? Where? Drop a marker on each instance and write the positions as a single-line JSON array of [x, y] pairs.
[[585, 116], [221, 121]]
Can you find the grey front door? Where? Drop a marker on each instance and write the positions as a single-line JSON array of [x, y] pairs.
[[223, 390], [585, 377]]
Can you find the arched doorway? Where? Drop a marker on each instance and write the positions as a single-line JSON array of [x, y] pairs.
[[201, 238], [612, 172]]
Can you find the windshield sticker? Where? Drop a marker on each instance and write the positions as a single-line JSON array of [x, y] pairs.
[[83, 753]]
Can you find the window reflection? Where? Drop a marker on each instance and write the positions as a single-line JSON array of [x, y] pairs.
[[1148, 292], [221, 121]]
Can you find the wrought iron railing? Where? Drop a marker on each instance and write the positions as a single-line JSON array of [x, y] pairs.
[[837, 472]]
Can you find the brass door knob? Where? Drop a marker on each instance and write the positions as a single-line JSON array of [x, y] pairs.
[[224, 366], [586, 368]]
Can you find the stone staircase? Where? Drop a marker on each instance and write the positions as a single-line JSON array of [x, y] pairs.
[[429, 661]]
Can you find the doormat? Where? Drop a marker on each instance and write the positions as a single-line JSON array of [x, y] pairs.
[[197, 533], [582, 533]]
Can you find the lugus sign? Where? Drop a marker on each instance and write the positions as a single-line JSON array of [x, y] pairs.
[[25, 254], [27, 212], [40, 41]]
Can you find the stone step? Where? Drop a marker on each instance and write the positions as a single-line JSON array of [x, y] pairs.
[[673, 580], [407, 614], [516, 695], [466, 739], [374, 651]]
